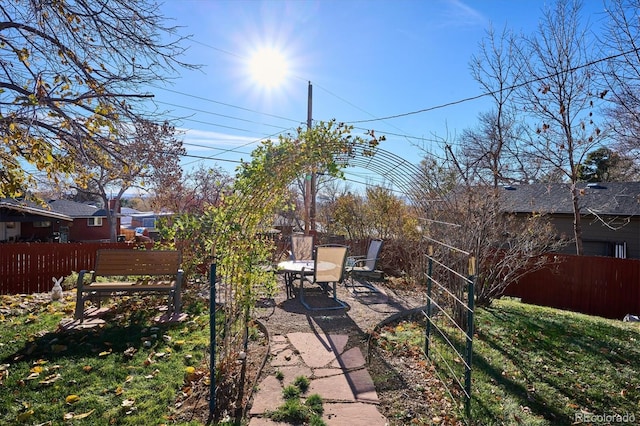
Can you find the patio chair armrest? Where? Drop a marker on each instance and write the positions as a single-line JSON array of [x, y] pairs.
[[362, 261]]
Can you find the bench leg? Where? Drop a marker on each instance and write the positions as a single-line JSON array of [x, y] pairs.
[[79, 313], [174, 302]]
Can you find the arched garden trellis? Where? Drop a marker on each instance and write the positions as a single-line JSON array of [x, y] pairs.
[[228, 236]]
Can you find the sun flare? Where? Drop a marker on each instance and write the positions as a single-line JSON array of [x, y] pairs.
[[269, 68]]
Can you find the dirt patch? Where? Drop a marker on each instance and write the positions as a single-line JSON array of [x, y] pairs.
[[192, 401], [409, 390]]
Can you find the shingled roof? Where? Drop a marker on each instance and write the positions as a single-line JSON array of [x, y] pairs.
[[22, 206], [75, 209], [610, 198]]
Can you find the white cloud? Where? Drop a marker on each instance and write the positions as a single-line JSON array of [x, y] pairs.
[[216, 139], [459, 13]]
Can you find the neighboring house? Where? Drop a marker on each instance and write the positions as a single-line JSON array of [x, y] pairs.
[[610, 214], [147, 220], [27, 221], [126, 214], [89, 222], [285, 225]]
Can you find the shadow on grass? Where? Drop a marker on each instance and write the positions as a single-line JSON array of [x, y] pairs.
[[119, 334], [566, 362], [518, 391]]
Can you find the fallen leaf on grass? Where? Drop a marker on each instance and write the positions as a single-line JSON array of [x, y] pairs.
[[130, 352], [70, 399], [128, 403], [152, 375], [104, 353], [74, 416], [50, 379], [87, 368], [32, 376], [23, 417]]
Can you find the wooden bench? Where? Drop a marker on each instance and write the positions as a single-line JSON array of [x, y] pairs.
[[156, 271]]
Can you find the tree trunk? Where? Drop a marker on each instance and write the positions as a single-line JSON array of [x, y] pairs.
[[577, 226]]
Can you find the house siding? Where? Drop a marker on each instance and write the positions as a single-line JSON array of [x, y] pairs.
[[598, 238], [81, 231], [31, 233], [610, 213]]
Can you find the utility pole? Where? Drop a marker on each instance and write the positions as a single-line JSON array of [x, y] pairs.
[[310, 178]]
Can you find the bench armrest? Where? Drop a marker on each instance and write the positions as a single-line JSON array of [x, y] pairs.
[[81, 275]]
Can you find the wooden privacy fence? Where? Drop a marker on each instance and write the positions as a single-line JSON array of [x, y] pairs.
[[602, 286], [28, 267]]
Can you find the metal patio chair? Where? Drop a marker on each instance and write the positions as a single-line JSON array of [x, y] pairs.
[[328, 272], [302, 247], [359, 267]]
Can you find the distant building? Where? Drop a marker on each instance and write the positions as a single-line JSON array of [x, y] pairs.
[[610, 213], [27, 221], [56, 221]]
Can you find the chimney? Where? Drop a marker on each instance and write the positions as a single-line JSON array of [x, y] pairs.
[[112, 205]]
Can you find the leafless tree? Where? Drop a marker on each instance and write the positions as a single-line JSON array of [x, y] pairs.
[[621, 42], [70, 71], [491, 153], [559, 93], [505, 245], [495, 152], [191, 191]]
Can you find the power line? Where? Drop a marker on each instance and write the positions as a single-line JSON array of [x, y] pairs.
[[515, 86], [233, 150], [227, 104], [201, 157], [218, 115]]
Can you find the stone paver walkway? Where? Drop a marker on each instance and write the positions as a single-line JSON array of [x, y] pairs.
[[340, 377], [327, 348]]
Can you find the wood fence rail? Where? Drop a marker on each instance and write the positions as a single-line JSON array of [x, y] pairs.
[[28, 267], [602, 286], [593, 285]]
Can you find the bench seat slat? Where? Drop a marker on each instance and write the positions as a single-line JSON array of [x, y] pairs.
[[129, 286]]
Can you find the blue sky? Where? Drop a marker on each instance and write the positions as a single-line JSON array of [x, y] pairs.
[[366, 60]]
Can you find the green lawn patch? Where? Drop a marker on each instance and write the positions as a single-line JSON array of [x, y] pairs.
[[127, 372], [535, 365]]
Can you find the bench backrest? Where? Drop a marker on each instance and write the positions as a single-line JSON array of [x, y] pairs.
[[137, 262]]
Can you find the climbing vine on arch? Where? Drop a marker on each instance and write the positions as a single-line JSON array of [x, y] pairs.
[[229, 234]]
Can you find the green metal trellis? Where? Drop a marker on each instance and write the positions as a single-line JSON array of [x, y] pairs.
[[443, 320]]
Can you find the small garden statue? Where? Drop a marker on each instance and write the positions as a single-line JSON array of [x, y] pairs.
[[56, 292]]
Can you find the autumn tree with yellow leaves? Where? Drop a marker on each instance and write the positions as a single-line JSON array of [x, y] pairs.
[[71, 83]]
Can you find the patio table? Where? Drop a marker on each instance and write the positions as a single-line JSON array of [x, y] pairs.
[[293, 269]]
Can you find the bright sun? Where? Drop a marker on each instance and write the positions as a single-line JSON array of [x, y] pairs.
[[268, 67]]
